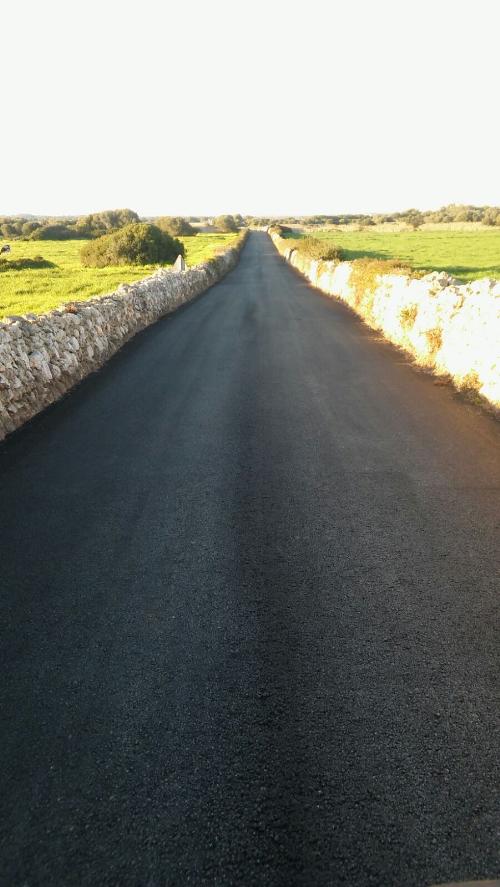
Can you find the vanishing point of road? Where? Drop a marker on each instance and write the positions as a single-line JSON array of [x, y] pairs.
[[249, 610]]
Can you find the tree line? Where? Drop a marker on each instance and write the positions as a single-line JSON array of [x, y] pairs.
[[99, 224], [95, 225], [487, 215]]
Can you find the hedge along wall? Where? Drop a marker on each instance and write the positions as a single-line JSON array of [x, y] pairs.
[[42, 357], [450, 327]]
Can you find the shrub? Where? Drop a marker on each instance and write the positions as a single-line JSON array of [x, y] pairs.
[[258, 221], [366, 272], [176, 226], [25, 264], [29, 227], [314, 248], [8, 230], [492, 217], [414, 218], [281, 230], [97, 224], [136, 244], [226, 224], [53, 232]]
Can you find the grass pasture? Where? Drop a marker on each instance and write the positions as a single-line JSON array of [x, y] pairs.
[[31, 285], [465, 254]]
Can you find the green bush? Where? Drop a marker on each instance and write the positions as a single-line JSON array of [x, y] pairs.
[[314, 248], [225, 223], [282, 230], [414, 218], [492, 217], [136, 244], [29, 227], [176, 226], [258, 221], [8, 230], [97, 224], [53, 232]]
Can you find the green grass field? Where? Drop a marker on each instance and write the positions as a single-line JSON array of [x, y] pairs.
[[63, 279], [467, 255]]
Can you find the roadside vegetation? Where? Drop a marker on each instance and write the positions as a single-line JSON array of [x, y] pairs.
[[227, 223], [176, 226], [311, 247], [105, 222]]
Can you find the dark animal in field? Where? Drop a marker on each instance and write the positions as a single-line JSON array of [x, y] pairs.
[[5, 248]]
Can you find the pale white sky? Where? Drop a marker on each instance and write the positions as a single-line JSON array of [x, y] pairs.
[[261, 107]]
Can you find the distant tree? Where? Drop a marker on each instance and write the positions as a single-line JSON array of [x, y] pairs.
[[97, 224], [414, 218], [136, 244], [258, 221], [8, 229], [176, 226], [29, 227], [491, 217], [225, 223], [53, 232]]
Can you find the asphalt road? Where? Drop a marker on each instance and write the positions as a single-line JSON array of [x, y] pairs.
[[249, 624]]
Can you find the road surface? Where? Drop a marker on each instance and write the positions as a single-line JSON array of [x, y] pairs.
[[249, 624]]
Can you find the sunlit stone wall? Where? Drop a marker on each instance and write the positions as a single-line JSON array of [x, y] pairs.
[[452, 328], [42, 357]]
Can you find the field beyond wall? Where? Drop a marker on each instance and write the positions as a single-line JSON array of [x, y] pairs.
[[470, 253], [62, 278]]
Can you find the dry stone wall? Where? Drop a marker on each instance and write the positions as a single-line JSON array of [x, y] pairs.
[[450, 327], [43, 356]]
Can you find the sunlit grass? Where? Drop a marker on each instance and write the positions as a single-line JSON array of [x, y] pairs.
[[467, 255], [37, 290]]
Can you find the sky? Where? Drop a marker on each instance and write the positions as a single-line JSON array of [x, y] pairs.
[[264, 107]]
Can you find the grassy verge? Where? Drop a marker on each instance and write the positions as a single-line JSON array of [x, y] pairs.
[[467, 255], [41, 275]]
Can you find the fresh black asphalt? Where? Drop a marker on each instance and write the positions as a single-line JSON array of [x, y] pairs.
[[249, 610]]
